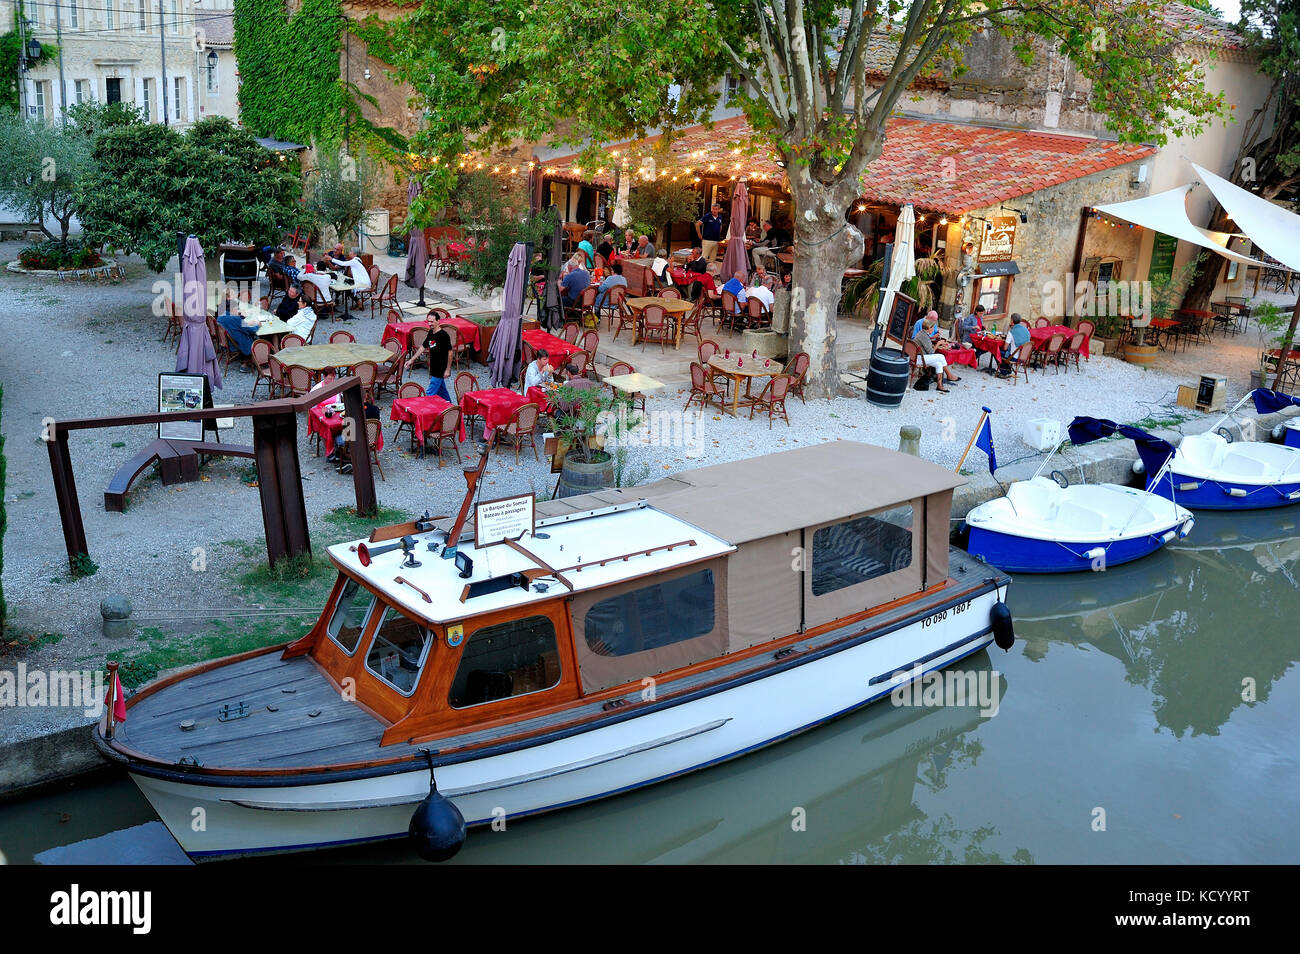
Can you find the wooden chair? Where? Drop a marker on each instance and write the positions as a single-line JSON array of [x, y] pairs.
[[372, 444], [580, 360], [363, 297], [654, 326], [690, 322], [341, 336], [613, 302], [368, 372], [292, 340], [772, 399], [913, 354], [463, 383], [1050, 353], [298, 380], [757, 313], [522, 423], [312, 296], [571, 332], [707, 349], [589, 343], [416, 339], [1086, 327], [442, 313], [728, 314], [387, 296], [587, 309], [410, 389], [798, 370], [175, 321], [705, 388], [448, 431], [390, 372], [225, 349], [261, 355]]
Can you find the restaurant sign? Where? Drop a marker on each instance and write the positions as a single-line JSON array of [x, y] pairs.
[[999, 242], [508, 518]]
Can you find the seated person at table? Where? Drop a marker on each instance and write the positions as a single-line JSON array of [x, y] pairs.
[[967, 325], [644, 248], [1017, 337], [233, 322], [275, 259], [572, 262], [573, 284], [573, 379], [320, 277], [332, 253], [438, 347], [629, 243], [538, 371], [929, 356], [303, 322], [353, 268], [342, 454], [695, 262], [764, 250], [588, 248], [615, 280], [736, 285], [289, 304], [766, 279], [762, 293], [290, 268], [606, 249]]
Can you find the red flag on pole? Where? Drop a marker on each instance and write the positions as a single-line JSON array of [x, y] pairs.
[[118, 700]]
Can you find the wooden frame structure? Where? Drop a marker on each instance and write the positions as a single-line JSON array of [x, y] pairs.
[[275, 452]]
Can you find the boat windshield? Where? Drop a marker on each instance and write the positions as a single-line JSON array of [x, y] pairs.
[[350, 615], [397, 653]]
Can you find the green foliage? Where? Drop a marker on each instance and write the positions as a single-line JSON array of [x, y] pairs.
[[82, 565], [10, 50], [1272, 31], [493, 217], [591, 411], [214, 181], [663, 202], [4, 515], [93, 117], [340, 187], [41, 167], [56, 254], [862, 295]]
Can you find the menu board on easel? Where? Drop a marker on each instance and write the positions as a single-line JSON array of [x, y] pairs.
[[899, 322], [182, 392]]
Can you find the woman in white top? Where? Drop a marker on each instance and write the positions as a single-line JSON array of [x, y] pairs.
[[321, 279], [356, 269]]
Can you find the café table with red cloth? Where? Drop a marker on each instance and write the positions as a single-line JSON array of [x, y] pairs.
[[424, 414], [1041, 336], [966, 356], [496, 405], [989, 343], [682, 278], [466, 331], [558, 349], [328, 428]]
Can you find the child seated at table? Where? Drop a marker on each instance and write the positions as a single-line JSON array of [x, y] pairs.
[[538, 372]]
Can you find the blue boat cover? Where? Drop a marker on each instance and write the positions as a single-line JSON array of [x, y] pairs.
[[1153, 450], [1270, 402]]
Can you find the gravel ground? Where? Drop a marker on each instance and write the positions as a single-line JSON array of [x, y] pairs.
[[94, 349]]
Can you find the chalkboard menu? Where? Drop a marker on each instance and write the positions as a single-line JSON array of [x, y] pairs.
[[898, 323]]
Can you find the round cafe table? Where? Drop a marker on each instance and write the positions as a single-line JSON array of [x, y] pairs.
[[673, 307], [317, 358], [744, 367]]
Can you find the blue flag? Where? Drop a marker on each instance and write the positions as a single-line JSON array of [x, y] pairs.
[[984, 440]]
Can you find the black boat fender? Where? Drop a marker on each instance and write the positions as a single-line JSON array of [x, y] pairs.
[[437, 829], [1003, 630]]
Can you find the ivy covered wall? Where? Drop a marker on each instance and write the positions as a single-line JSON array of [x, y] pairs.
[[289, 82]]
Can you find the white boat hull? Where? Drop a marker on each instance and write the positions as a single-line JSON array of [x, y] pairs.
[[212, 820]]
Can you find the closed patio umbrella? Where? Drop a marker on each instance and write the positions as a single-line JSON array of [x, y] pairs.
[[196, 353], [553, 315], [503, 352], [736, 260], [417, 250], [902, 264]]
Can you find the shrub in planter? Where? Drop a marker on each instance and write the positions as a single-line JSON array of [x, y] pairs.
[[56, 255]]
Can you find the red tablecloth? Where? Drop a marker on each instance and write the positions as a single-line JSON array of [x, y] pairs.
[[466, 331], [990, 343], [329, 427], [558, 349], [684, 278], [966, 356], [423, 413], [1040, 337], [496, 405]]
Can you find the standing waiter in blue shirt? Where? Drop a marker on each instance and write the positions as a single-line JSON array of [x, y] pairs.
[[709, 229]]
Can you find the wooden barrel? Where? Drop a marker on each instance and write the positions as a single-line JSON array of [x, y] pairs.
[[1140, 354], [579, 478], [887, 377]]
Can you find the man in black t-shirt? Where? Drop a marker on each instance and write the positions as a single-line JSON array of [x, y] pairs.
[[438, 347], [289, 304]]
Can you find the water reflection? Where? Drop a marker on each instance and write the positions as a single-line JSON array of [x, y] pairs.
[[1196, 623]]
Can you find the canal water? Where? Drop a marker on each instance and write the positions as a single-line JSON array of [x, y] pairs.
[[1146, 714]]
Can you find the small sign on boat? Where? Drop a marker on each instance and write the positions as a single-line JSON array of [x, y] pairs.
[[508, 518]]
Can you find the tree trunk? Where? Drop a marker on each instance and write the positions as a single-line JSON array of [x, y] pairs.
[[825, 244], [1286, 345], [1201, 288]]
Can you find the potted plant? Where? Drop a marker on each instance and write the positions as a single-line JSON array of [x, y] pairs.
[[1106, 333], [1166, 292], [586, 418], [1271, 324]]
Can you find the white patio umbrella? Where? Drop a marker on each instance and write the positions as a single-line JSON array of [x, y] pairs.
[[902, 265]]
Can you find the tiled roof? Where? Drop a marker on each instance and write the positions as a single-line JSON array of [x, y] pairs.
[[938, 166], [1196, 26], [218, 28]]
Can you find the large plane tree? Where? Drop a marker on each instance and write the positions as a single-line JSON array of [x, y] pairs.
[[488, 72]]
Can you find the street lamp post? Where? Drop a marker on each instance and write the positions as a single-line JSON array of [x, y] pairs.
[[162, 40]]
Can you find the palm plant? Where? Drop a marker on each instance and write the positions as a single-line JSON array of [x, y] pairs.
[[862, 295]]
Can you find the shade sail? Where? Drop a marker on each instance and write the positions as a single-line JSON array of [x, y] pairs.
[[1167, 212], [1269, 226]]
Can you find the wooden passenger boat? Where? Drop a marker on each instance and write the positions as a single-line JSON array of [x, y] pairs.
[[618, 639]]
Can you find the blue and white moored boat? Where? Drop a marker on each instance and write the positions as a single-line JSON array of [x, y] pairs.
[[1043, 527], [1211, 472]]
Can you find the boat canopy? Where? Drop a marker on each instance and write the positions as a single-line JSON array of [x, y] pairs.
[[1270, 402], [1154, 451]]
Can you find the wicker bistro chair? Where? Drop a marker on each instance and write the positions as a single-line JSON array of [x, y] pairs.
[[342, 337], [298, 380], [1049, 353], [1086, 327], [772, 399], [798, 370], [278, 377], [757, 313], [1042, 322], [707, 349], [175, 323], [410, 389], [292, 340], [312, 296], [729, 312], [670, 292], [522, 424], [613, 303], [587, 309], [690, 322], [654, 326], [417, 339], [704, 388], [372, 445], [261, 356], [386, 296], [363, 297], [580, 360], [626, 319], [620, 368], [1074, 349], [463, 383], [368, 372], [571, 332], [590, 343], [1020, 361], [390, 372], [448, 431]]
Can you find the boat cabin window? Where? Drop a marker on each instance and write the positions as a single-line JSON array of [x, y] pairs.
[[657, 615], [397, 652], [861, 549], [505, 660], [350, 615]]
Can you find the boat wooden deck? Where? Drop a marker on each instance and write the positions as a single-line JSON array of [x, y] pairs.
[[312, 725]]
